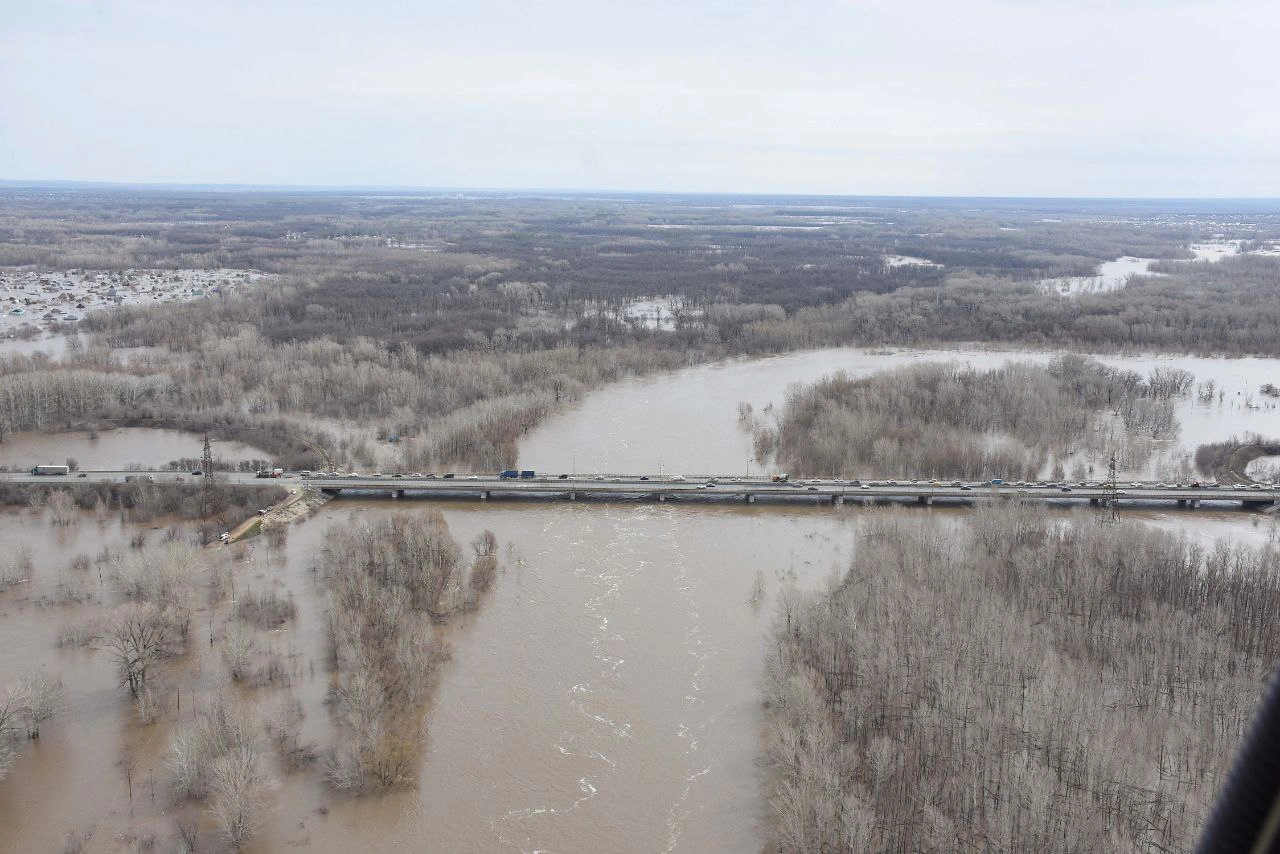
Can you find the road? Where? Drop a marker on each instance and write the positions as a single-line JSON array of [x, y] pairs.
[[661, 487]]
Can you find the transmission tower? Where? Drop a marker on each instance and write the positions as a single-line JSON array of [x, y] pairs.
[[206, 470], [1108, 513]]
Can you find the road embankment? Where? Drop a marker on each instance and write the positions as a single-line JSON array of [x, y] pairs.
[[295, 506]]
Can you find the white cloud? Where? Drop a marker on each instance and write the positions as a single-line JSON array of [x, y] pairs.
[[1021, 98]]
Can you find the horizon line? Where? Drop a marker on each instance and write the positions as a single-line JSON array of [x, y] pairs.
[[73, 184]]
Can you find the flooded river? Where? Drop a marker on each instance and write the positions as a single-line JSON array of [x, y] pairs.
[[604, 697], [687, 422]]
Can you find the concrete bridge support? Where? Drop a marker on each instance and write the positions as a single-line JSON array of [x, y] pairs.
[[332, 493], [750, 499], [573, 496], [1182, 502], [662, 496], [1094, 502], [484, 495], [837, 501], [399, 493], [926, 500]]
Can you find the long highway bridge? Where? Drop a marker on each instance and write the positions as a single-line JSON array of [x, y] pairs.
[[705, 488]]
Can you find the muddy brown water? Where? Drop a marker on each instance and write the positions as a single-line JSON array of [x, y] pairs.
[[113, 449], [605, 696], [687, 422]]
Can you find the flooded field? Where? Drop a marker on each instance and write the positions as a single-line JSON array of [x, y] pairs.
[[604, 696], [1110, 276], [52, 346], [31, 300], [114, 449]]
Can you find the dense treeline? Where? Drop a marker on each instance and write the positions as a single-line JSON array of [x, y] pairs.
[[417, 250], [950, 420], [388, 580], [140, 501], [1013, 683], [456, 324], [1231, 308], [441, 274], [468, 408], [1229, 460]]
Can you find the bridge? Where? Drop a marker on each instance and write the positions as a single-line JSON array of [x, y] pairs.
[[701, 488]]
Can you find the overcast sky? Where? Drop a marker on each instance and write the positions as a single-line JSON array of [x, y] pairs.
[[948, 97]]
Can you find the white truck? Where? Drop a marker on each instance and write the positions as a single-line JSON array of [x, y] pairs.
[[51, 470]]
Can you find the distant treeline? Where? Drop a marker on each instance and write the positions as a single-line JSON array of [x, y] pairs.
[[461, 323], [441, 273], [1231, 308]]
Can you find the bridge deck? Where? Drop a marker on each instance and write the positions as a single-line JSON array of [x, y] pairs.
[[707, 488]]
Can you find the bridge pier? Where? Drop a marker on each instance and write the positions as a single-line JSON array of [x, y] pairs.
[[837, 501], [1182, 502], [484, 495], [662, 496], [573, 496], [926, 500], [329, 491], [399, 493], [750, 499], [1193, 503], [1093, 502]]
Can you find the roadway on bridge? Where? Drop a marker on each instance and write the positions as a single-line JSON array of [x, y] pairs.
[[740, 488]]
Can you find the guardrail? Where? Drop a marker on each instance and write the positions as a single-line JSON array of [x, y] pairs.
[[662, 487]]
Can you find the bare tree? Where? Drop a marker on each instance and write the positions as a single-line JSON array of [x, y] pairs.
[[237, 648], [237, 794], [62, 508], [139, 636], [217, 758], [16, 566], [25, 704]]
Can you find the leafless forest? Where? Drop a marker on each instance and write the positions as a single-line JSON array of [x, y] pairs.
[[389, 582], [939, 420], [1010, 679], [459, 323], [1015, 682]]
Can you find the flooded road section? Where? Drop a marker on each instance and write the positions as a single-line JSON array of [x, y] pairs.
[[113, 449]]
